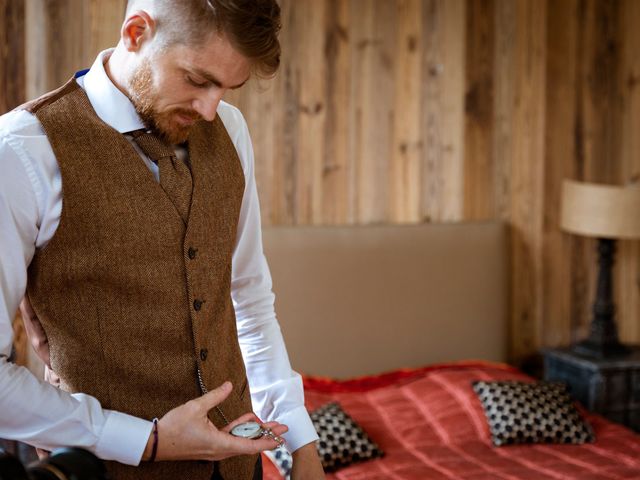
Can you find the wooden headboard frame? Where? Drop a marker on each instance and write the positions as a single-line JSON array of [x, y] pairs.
[[365, 299]]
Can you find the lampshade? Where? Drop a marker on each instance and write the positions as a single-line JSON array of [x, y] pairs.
[[603, 211]]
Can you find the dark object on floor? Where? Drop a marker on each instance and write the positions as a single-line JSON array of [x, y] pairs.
[[62, 464]]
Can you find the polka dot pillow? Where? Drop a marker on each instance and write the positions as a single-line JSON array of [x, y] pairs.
[[282, 459], [342, 441], [539, 412]]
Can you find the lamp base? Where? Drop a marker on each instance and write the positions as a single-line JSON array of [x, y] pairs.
[[603, 339], [599, 350]]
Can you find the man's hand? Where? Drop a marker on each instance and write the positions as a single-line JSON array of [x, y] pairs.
[[306, 464], [35, 332], [186, 433]]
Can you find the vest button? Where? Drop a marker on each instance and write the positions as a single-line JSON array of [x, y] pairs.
[[192, 253], [197, 305], [203, 354]]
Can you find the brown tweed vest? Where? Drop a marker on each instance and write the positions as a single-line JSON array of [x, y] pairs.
[[135, 304]]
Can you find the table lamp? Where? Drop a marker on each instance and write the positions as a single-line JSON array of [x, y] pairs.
[[607, 213]]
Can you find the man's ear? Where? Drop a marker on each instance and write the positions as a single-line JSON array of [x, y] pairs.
[[137, 29]]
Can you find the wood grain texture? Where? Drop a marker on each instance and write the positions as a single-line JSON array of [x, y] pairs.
[[527, 177], [338, 170], [406, 155], [105, 19], [12, 54], [443, 110], [373, 63], [395, 111], [479, 109], [64, 36], [628, 260], [560, 162]]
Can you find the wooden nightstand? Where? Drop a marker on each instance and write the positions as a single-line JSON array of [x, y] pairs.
[[610, 387]]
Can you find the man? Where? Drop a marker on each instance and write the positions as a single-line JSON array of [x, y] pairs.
[[128, 213]]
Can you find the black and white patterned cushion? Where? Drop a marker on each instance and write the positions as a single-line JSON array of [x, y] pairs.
[[283, 461], [539, 412], [342, 441]]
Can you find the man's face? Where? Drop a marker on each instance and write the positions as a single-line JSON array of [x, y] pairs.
[[174, 88]]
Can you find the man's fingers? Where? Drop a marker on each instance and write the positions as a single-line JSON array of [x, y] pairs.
[[51, 377], [276, 428], [266, 443], [245, 446], [214, 397]]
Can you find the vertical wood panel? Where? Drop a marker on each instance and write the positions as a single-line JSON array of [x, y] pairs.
[[504, 71], [338, 173], [106, 18], [581, 280], [289, 84], [527, 175], [59, 47], [406, 175], [373, 66], [601, 98], [37, 24], [12, 54], [479, 95], [628, 279], [560, 163], [442, 138], [67, 45], [312, 107]]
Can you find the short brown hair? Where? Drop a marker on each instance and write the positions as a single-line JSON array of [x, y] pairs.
[[251, 26]]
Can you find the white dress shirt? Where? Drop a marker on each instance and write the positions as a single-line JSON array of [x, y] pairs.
[[35, 412]]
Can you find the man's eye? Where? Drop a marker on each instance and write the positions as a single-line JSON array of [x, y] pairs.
[[196, 83]]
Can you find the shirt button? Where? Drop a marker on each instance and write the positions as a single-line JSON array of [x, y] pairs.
[[203, 354], [192, 253], [197, 305]]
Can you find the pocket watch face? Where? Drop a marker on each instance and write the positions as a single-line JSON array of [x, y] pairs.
[[247, 430]]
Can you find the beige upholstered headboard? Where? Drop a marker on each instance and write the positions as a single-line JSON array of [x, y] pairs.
[[361, 300]]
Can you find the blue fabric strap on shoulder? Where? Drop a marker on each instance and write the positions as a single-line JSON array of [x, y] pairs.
[[81, 73]]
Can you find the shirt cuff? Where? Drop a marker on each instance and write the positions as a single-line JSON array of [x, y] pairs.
[[301, 429], [124, 448]]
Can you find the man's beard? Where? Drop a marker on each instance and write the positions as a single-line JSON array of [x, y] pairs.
[[144, 99]]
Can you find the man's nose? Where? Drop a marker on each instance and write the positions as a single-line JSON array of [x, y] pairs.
[[206, 105]]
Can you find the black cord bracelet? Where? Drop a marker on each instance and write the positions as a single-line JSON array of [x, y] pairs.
[[154, 449]]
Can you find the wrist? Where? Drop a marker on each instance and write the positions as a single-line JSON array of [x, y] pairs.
[[146, 455], [306, 463], [308, 449], [306, 455]]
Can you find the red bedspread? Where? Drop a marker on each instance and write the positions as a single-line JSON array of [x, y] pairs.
[[431, 426]]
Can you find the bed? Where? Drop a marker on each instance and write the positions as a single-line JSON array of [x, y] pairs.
[[397, 322]]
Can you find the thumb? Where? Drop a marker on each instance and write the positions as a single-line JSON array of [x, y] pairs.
[[215, 397]]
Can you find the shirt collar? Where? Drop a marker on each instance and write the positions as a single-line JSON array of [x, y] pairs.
[[111, 105]]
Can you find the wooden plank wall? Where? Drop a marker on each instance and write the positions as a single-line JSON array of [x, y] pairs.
[[403, 111]]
